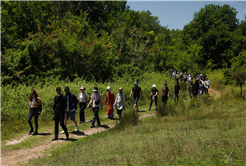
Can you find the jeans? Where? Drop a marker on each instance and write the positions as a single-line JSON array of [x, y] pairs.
[[82, 112], [61, 120], [96, 117], [151, 101], [119, 113], [33, 112], [200, 93]]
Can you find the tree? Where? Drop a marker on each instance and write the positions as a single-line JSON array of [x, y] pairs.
[[238, 70], [212, 28]]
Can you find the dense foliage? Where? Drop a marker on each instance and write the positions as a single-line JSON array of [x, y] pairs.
[[96, 40]]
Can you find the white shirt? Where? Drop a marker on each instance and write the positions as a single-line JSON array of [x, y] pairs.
[[120, 101], [82, 97]]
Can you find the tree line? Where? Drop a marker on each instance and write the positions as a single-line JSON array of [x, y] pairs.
[[104, 39]]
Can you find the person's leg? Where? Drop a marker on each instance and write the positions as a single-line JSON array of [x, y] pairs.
[[177, 97], [30, 121], [63, 126], [72, 117], [94, 117], [97, 117], [36, 121], [119, 113], [83, 112], [57, 127], [156, 102], [151, 101], [174, 98], [80, 112]]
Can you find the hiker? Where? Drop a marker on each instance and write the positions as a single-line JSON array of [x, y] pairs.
[[190, 89], [110, 102], [96, 98], [181, 75], [190, 78], [34, 110], [153, 97], [164, 93], [71, 105], [201, 86], [206, 86], [185, 77], [176, 92], [59, 113], [136, 90], [83, 100], [120, 102], [177, 77], [196, 88]]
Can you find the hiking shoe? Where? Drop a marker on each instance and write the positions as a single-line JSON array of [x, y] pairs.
[[62, 132], [67, 135], [76, 129], [149, 109], [31, 131], [35, 133], [92, 126], [55, 138], [137, 110], [80, 122]]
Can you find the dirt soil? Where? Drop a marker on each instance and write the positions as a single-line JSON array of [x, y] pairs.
[[22, 156]]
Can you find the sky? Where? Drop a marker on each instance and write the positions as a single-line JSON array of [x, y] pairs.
[[176, 14]]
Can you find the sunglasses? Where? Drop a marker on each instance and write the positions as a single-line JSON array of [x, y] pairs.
[[32, 94]]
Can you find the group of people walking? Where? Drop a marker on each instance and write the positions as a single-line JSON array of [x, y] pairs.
[[65, 106]]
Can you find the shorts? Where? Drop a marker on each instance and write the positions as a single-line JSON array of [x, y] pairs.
[[70, 114], [175, 96], [136, 98]]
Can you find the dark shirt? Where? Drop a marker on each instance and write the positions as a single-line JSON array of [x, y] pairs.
[[154, 91], [164, 91], [176, 89], [136, 91], [195, 88], [59, 105], [73, 101]]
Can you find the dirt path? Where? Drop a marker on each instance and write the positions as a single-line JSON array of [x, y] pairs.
[[214, 93], [21, 156]]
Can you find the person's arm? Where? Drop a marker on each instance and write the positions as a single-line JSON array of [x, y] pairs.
[[90, 102], [86, 99], [115, 101], [131, 93], [156, 93], [78, 96], [113, 98], [39, 102]]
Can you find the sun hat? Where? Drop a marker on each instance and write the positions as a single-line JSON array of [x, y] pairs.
[[108, 87], [154, 86], [135, 83], [95, 89], [82, 87]]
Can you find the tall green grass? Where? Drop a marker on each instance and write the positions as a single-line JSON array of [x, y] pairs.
[[198, 132]]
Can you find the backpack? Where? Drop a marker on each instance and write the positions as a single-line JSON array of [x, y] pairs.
[[39, 107]]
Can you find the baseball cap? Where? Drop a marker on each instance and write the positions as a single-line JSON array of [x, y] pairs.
[[120, 89], [95, 89], [135, 83], [58, 89], [82, 87], [66, 88], [165, 83], [108, 87], [154, 86]]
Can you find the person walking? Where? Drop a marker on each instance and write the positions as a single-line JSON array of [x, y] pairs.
[[71, 105], [181, 75], [59, 113], [164, 93], [206, 86], [96, 98], [136, 90], [109, 99], [120, 102], [83, 100], [201, 87], [176, 92], [34, 103], [153, 97], [190, 78], [195, 88], [185, 77], [190, 89]]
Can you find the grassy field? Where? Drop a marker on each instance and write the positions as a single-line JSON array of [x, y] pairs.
[[207, 131]]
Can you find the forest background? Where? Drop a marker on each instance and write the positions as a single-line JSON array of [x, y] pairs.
[[105, 40]]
